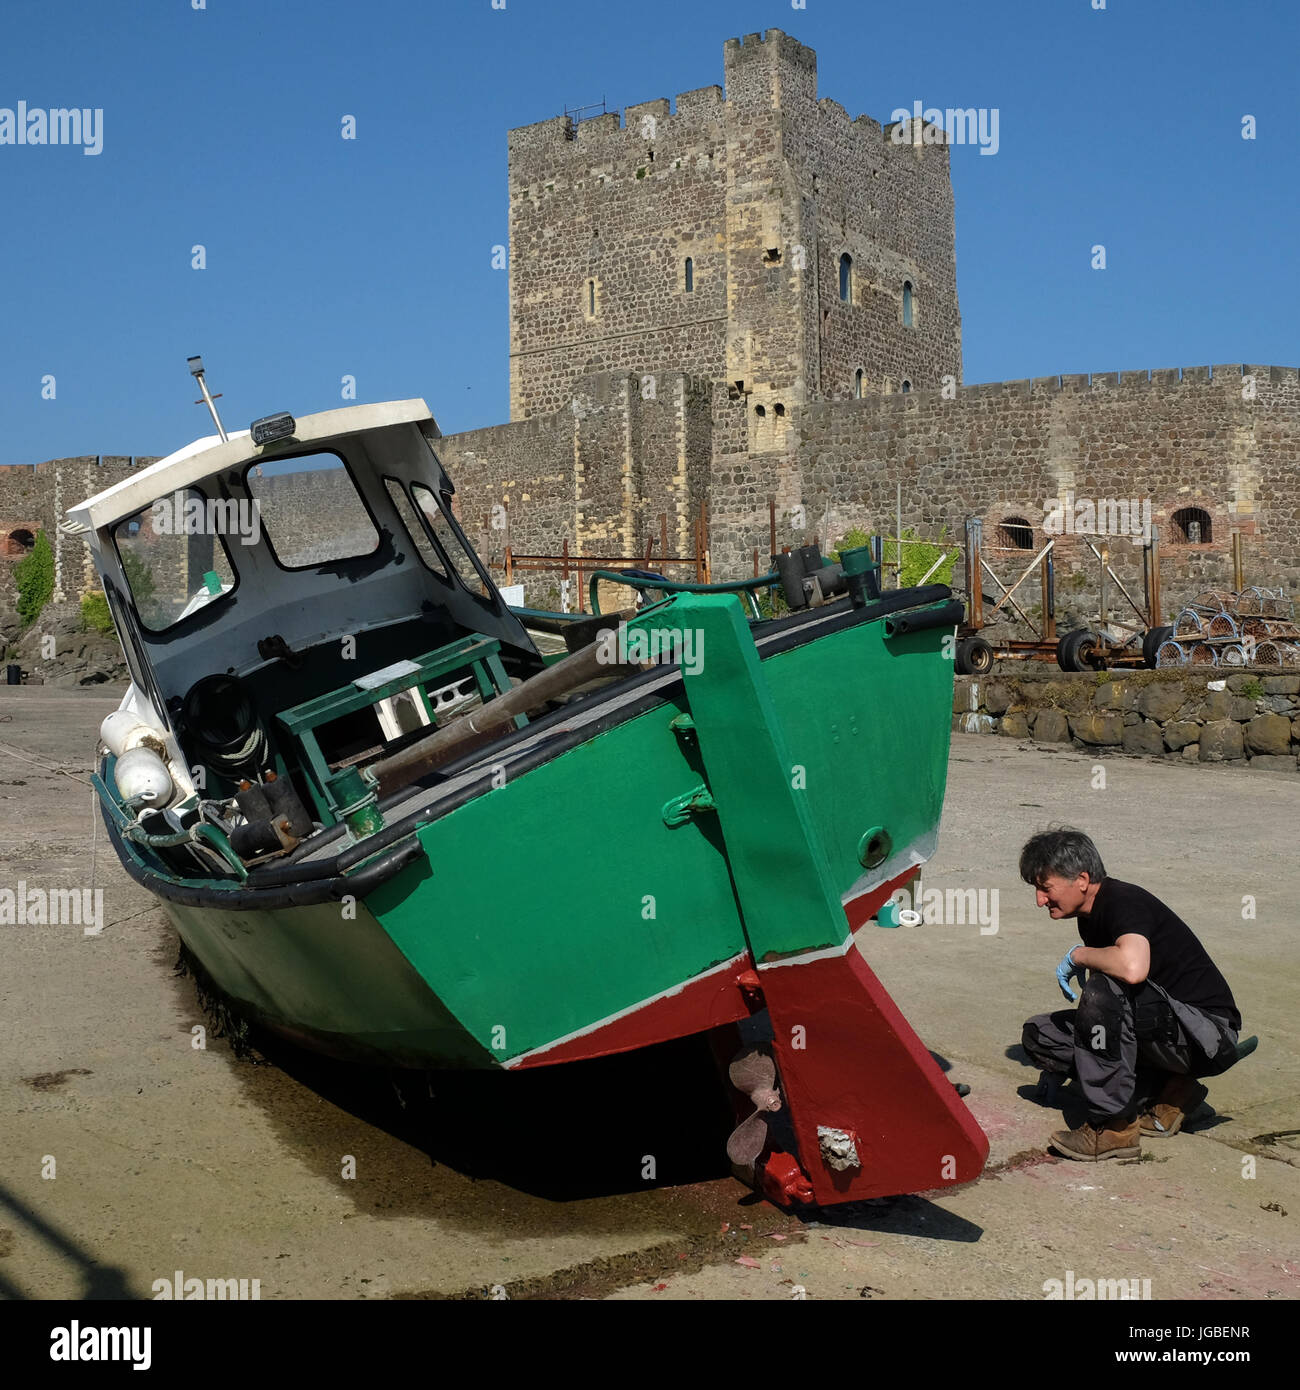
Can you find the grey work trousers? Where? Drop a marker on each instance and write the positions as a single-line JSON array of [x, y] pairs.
[[1121, 1033]]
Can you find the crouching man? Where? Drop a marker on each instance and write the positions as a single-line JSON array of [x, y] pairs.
[[1155, 1013]]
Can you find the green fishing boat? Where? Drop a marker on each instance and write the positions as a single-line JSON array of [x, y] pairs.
[[344, 767]]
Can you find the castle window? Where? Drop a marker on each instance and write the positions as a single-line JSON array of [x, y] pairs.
[[690, 276], [772, 256], [591, 299], [907, 386], [20, 542], [1191, 526], [780, 411], [760, 411], [907, 304], [857, 384], [846, 279], [1015, 533]]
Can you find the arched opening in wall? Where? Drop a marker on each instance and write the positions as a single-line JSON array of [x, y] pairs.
[[690, 276], [780, 411], [1015, 533], [591, 299], [19, 542], [1191, 526], [846, 279], [907, 386], [907, 304], [760, 413], [857, 384]]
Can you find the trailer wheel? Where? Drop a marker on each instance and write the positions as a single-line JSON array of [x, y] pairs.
[[1152, 640], [1079, 651], [974, 657]]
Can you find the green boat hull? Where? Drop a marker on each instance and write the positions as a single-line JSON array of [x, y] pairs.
[[558, 906]]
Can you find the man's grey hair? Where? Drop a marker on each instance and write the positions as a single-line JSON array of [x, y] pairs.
[[1061, 850]]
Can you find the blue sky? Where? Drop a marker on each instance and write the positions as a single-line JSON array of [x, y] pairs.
[[372, 258]]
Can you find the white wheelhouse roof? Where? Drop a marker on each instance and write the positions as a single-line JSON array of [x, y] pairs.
[[208, 456]]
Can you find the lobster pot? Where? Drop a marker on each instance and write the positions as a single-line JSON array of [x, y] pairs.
[[1202, 654], [1188, 624], [1267, 654], [1170, 654], [1232, 656], [1223, 624]]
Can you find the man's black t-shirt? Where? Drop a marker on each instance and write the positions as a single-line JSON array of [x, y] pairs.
[[1180, 965]]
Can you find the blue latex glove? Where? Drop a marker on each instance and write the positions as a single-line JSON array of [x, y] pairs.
[[1066, 971]]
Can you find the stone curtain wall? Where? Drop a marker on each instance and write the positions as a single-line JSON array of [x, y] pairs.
[[1255, 718], [1004, 449], [598, 474]]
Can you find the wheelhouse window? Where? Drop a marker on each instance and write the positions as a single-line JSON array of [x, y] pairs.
[[311, 510], [173, 554], [419, 537], [446, 537]]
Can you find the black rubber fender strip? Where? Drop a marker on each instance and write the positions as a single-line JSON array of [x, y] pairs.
[[949, 615], [304, 893]]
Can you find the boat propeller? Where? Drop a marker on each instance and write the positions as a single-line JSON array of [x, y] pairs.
[[753, 1071]]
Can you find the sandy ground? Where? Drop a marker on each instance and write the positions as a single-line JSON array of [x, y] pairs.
[[166, 1156]]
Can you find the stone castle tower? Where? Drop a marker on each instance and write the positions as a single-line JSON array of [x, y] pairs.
[[760, 240]]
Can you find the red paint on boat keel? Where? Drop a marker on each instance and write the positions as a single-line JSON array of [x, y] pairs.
[[849, 1061]]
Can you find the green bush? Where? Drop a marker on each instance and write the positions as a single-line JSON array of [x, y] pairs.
[[1252, 689], [918, 557], [95, 614], [850, 540], [34, 577]]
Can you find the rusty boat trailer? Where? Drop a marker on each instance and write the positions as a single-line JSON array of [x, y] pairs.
[[1079, 650]]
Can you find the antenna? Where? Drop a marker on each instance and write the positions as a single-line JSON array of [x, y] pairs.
[[196, 371]]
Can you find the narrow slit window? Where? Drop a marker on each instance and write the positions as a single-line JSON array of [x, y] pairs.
[[846, 279], [907, 304], [857, 384], [591, 298], [690, 276]]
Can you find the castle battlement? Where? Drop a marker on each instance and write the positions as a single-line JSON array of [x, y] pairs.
[[1225, 376]]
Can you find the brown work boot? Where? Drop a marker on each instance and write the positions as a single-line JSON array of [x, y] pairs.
[[1180, 1096], [1091, 1143]]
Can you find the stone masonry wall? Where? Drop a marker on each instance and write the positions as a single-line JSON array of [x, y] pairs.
[[1245, 718], [1226, 441]]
